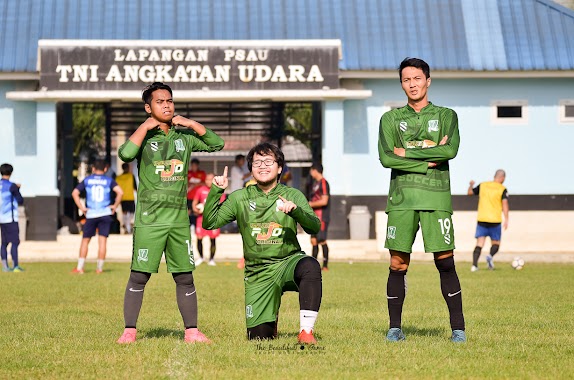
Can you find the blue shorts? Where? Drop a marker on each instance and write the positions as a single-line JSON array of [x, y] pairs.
[[102, 224], [10, 232], [494, 232]]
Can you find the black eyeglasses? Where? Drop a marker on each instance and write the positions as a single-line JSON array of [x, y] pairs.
[[267, 162]]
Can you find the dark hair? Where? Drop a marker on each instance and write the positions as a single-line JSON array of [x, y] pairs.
[[148, 91], [100, 164], [265, 149], [6, 169], [317, 166], [239, 157], [414, 62], [125, 166], [195, 161]]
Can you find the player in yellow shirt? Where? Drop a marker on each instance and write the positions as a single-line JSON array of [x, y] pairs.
[[127, 182], [492, 203]]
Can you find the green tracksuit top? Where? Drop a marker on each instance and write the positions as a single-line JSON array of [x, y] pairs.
[[163, 160], [269, 235], [415, 186]]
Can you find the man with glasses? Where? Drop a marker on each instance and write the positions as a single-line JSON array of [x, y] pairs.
[[267, 214]]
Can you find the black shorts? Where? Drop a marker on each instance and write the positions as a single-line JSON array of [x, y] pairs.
[[322, 234], [102, 224], [10, 232], [128, 206]]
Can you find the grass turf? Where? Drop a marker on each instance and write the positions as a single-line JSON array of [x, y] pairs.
[[58, 325]]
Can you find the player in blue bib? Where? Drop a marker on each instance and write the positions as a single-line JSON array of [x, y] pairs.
[[98, 211], [10, 198]]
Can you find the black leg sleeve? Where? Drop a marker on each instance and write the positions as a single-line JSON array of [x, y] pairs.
[[451, 291], [262, 331], [476, 255], [200, 247], [315, 251], [325, 255], [494, 249], [134, 297], [308, 280], [396, 293], [212, 249], [186, 298]]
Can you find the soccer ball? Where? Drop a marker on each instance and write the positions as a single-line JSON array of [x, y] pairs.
[[200, 207], [518, 263]]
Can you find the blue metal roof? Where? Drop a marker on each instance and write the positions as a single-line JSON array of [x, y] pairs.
[[452, 35]]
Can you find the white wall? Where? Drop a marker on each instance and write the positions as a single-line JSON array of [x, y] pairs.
[[28, 141], [536, 156]]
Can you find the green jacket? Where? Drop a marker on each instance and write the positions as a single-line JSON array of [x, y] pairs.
[[415, 186], [269, 235]]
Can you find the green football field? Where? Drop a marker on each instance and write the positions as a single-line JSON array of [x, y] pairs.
[[520, 324]]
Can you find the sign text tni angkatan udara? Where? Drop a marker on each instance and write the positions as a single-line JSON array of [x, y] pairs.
[[232, 67]]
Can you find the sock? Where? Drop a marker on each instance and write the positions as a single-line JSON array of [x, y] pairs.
[[494, 249], [307, 320], [100, 264], [476, 255], [396, 293], [200, 247], [186, 298], [4, 254], [315, 251], [5, 263], [134, 297], [325, 255], [451, 291], [212, 249], [81, 262], [14, 253]]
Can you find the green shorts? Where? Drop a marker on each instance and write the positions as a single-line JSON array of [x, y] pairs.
[[436, 226], [263, 290], [151, 242]]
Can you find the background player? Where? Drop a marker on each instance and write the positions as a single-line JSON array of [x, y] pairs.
[[416, 142], [127, 182], [98, 211], [10, 199], [195, 179], [492, 202], [162, 222], [267, 214], [200, 232], [320, 193]]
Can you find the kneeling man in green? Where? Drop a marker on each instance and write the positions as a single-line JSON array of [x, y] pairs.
[[267, 214]]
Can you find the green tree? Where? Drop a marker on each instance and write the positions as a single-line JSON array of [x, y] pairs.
[[89, 122], [298, 121]]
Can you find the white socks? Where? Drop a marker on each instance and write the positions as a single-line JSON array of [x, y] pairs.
[[307, 320], [100, 264], [81, 262]]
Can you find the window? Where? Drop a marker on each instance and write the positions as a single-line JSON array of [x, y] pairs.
[[566, 111], [509, 112]]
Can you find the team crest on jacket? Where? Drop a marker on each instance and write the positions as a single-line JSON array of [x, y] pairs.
[[179, 147], [433, 125]]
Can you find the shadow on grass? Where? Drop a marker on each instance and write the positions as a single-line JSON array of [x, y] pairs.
[[416, 331], [161, 332], [412, 330]]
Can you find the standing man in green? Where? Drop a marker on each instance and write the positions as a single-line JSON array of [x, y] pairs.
[[416, 142], [162, 224], [267, 214]]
